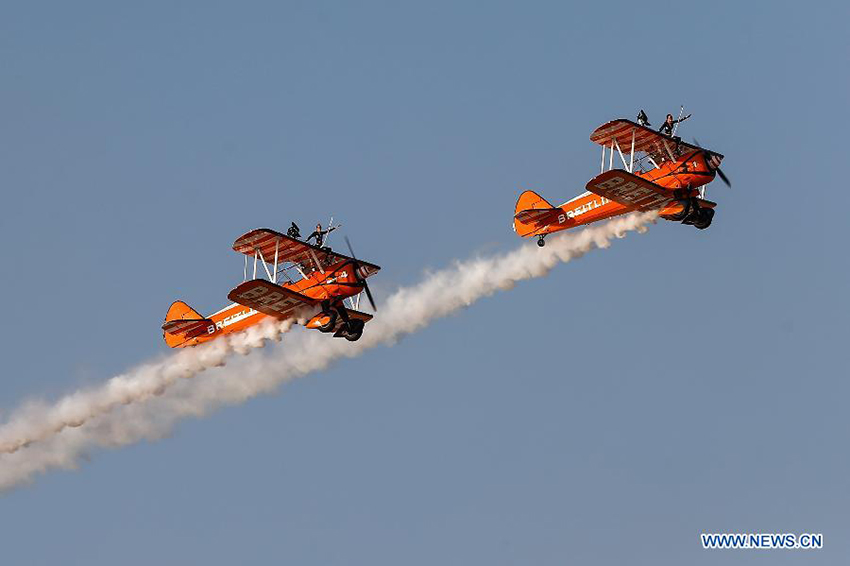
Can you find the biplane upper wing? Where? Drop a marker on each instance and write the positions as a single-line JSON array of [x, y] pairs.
[[646, 139], [272, 244], [268, 298], [630, 190]]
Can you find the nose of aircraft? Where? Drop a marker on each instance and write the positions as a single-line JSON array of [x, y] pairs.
[[713, 161]]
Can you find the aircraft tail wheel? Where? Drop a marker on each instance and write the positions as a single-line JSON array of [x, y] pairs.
[[705, 217], [331, 323], [354, 330], [541, 242]]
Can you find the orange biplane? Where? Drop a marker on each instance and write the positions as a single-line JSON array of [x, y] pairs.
[[660, 173], [316, 278]]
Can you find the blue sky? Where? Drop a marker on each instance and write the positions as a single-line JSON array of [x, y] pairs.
[[677, 383]]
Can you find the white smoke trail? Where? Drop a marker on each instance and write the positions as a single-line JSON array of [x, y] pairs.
[[116, 416], [37, 421]]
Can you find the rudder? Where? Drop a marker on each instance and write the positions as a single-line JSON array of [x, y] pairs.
[[181, 311], [532, 212], [182, 323]]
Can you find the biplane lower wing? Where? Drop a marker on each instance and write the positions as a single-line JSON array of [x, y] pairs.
[[630, 190], [270, 299]]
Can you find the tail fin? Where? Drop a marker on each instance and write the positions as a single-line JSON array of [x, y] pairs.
[[182, 323], [532, 213]]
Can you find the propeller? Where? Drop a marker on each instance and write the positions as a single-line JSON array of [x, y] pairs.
[[720, 173], [360, 277]]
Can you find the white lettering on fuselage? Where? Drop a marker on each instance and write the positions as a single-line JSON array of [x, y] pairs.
[[228, 320], [582, 209]]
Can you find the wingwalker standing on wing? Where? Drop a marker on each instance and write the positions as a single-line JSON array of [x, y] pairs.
[[314, 277], [320, 235], [668, 127], [660, 172]]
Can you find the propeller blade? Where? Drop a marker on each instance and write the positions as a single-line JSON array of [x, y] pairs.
[[359, 278], [369, 296], [350, 249]]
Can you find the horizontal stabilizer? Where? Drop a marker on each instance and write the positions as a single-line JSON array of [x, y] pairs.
[[540, 216], [187, 328], [268, 298]]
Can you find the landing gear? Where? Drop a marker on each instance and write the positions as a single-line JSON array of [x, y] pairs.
[[683, 214], [332, 316], [699, 218], [331, 323], [540, 241], [691, 214], [686, 207], [704, 221], [339, 321], [353, 330]]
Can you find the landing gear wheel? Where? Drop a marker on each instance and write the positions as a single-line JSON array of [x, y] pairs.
[[354, 330], [540, 241], [695, 214], [706, 215], [331, 323]]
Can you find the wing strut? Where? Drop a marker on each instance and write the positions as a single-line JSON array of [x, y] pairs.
[[276, 249], [316, 259], [622, 157], [259, 252]]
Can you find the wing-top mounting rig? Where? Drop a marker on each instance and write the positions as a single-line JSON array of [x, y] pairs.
[[301, 279], [659, 172]]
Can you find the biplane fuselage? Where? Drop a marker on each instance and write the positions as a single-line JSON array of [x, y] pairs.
[[669, 187], [327, 278]]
